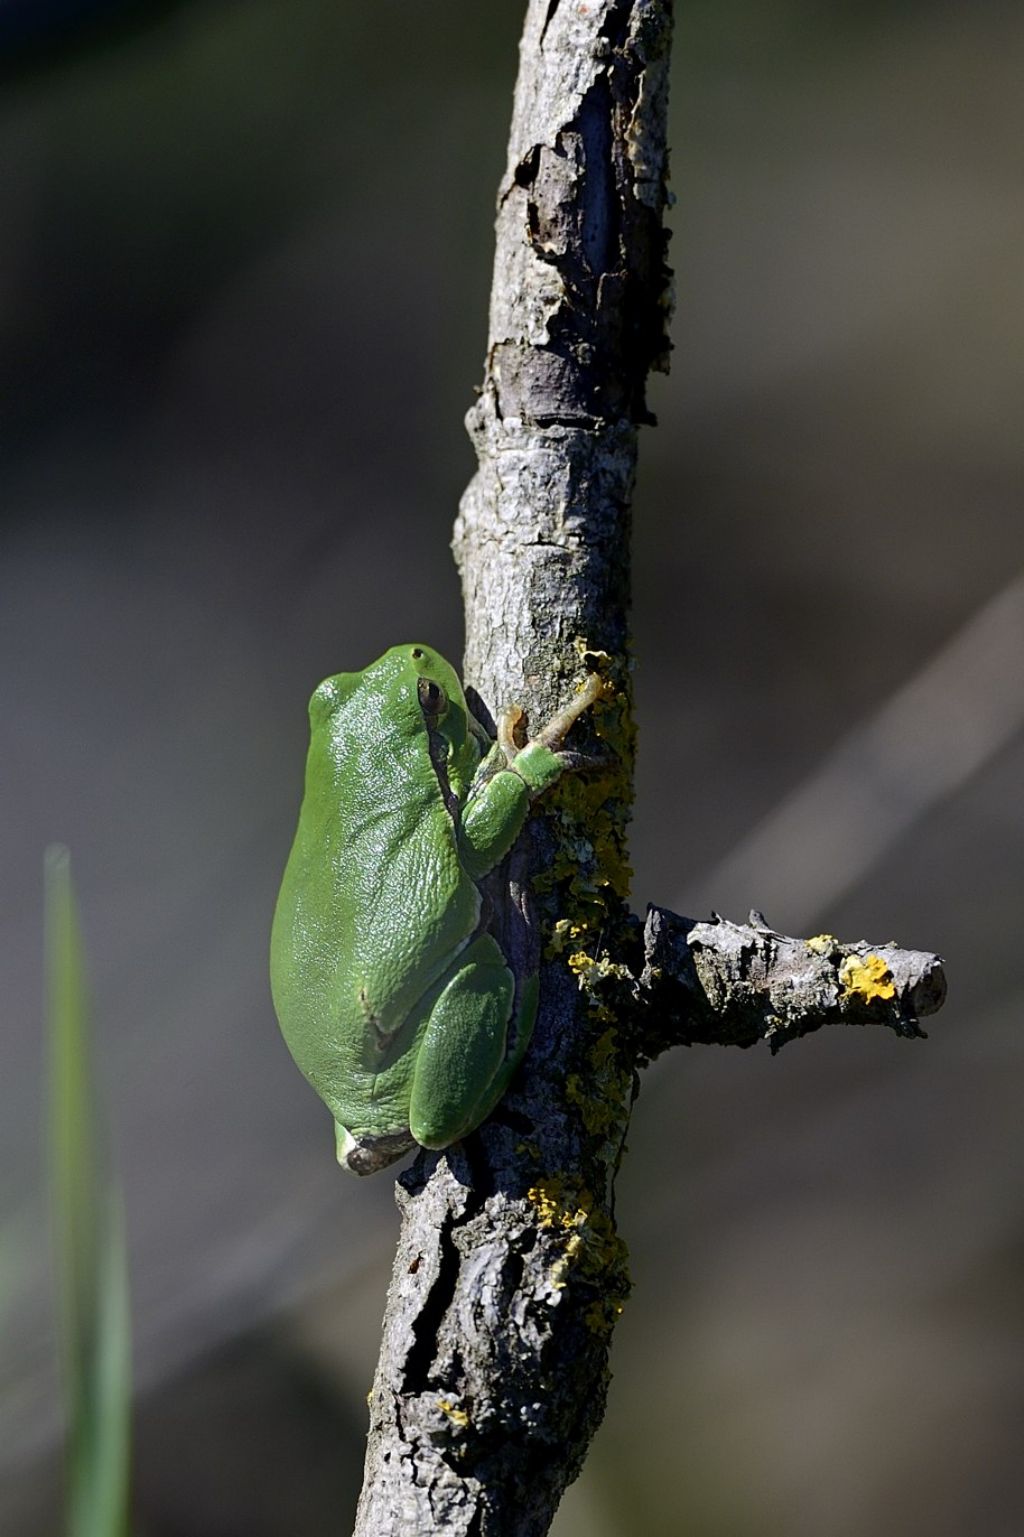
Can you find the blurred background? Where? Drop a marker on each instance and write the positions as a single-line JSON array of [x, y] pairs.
[[245, 254]]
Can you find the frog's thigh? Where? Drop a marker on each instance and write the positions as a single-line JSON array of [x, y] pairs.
[[463, 1047]]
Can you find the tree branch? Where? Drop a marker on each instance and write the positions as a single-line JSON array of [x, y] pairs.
[[733, 984], [509, 1274]]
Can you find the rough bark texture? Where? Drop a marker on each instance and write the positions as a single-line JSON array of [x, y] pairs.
[[578, 314], [734, 984], [509, 1274]]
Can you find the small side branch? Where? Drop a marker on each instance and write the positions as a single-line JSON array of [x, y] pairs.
[[733, 984]]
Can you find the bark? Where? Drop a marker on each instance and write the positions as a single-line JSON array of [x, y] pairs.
[[509, 1274], [734, 984]]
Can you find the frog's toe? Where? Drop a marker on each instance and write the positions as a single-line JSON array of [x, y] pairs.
[[369, 1152]]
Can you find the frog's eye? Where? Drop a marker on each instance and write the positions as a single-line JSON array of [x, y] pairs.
[[433, 699]]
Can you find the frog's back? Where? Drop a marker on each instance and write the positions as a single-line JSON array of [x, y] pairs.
[[374, 903]]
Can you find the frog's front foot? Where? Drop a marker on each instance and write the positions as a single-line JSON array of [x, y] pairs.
[[368, 1153], [509, 722], [557, 729], [511, 736]]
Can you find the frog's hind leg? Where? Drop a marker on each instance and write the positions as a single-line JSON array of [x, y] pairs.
[[520, 1028], [469, 1049]]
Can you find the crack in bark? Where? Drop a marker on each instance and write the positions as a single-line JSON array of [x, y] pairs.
[[548, 19], [427, 1324], [616, 25]]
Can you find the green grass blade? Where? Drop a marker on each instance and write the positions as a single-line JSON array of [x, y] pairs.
[[92, 1277]]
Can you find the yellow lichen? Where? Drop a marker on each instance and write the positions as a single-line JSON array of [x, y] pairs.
[[592, 1250], [560, 1269], [565, 932], [603, 1051], [587, 655], [556, 1206], [599, 1111], [593, 808], [821, 944], [866, 977], [457, 1416], [597, 976], [601, 1316], [579, 963]]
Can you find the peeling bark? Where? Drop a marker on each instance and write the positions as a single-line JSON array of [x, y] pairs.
[[509, 1274], [578, 314]]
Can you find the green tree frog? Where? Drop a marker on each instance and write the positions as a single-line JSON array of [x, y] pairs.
[[393, 990]]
